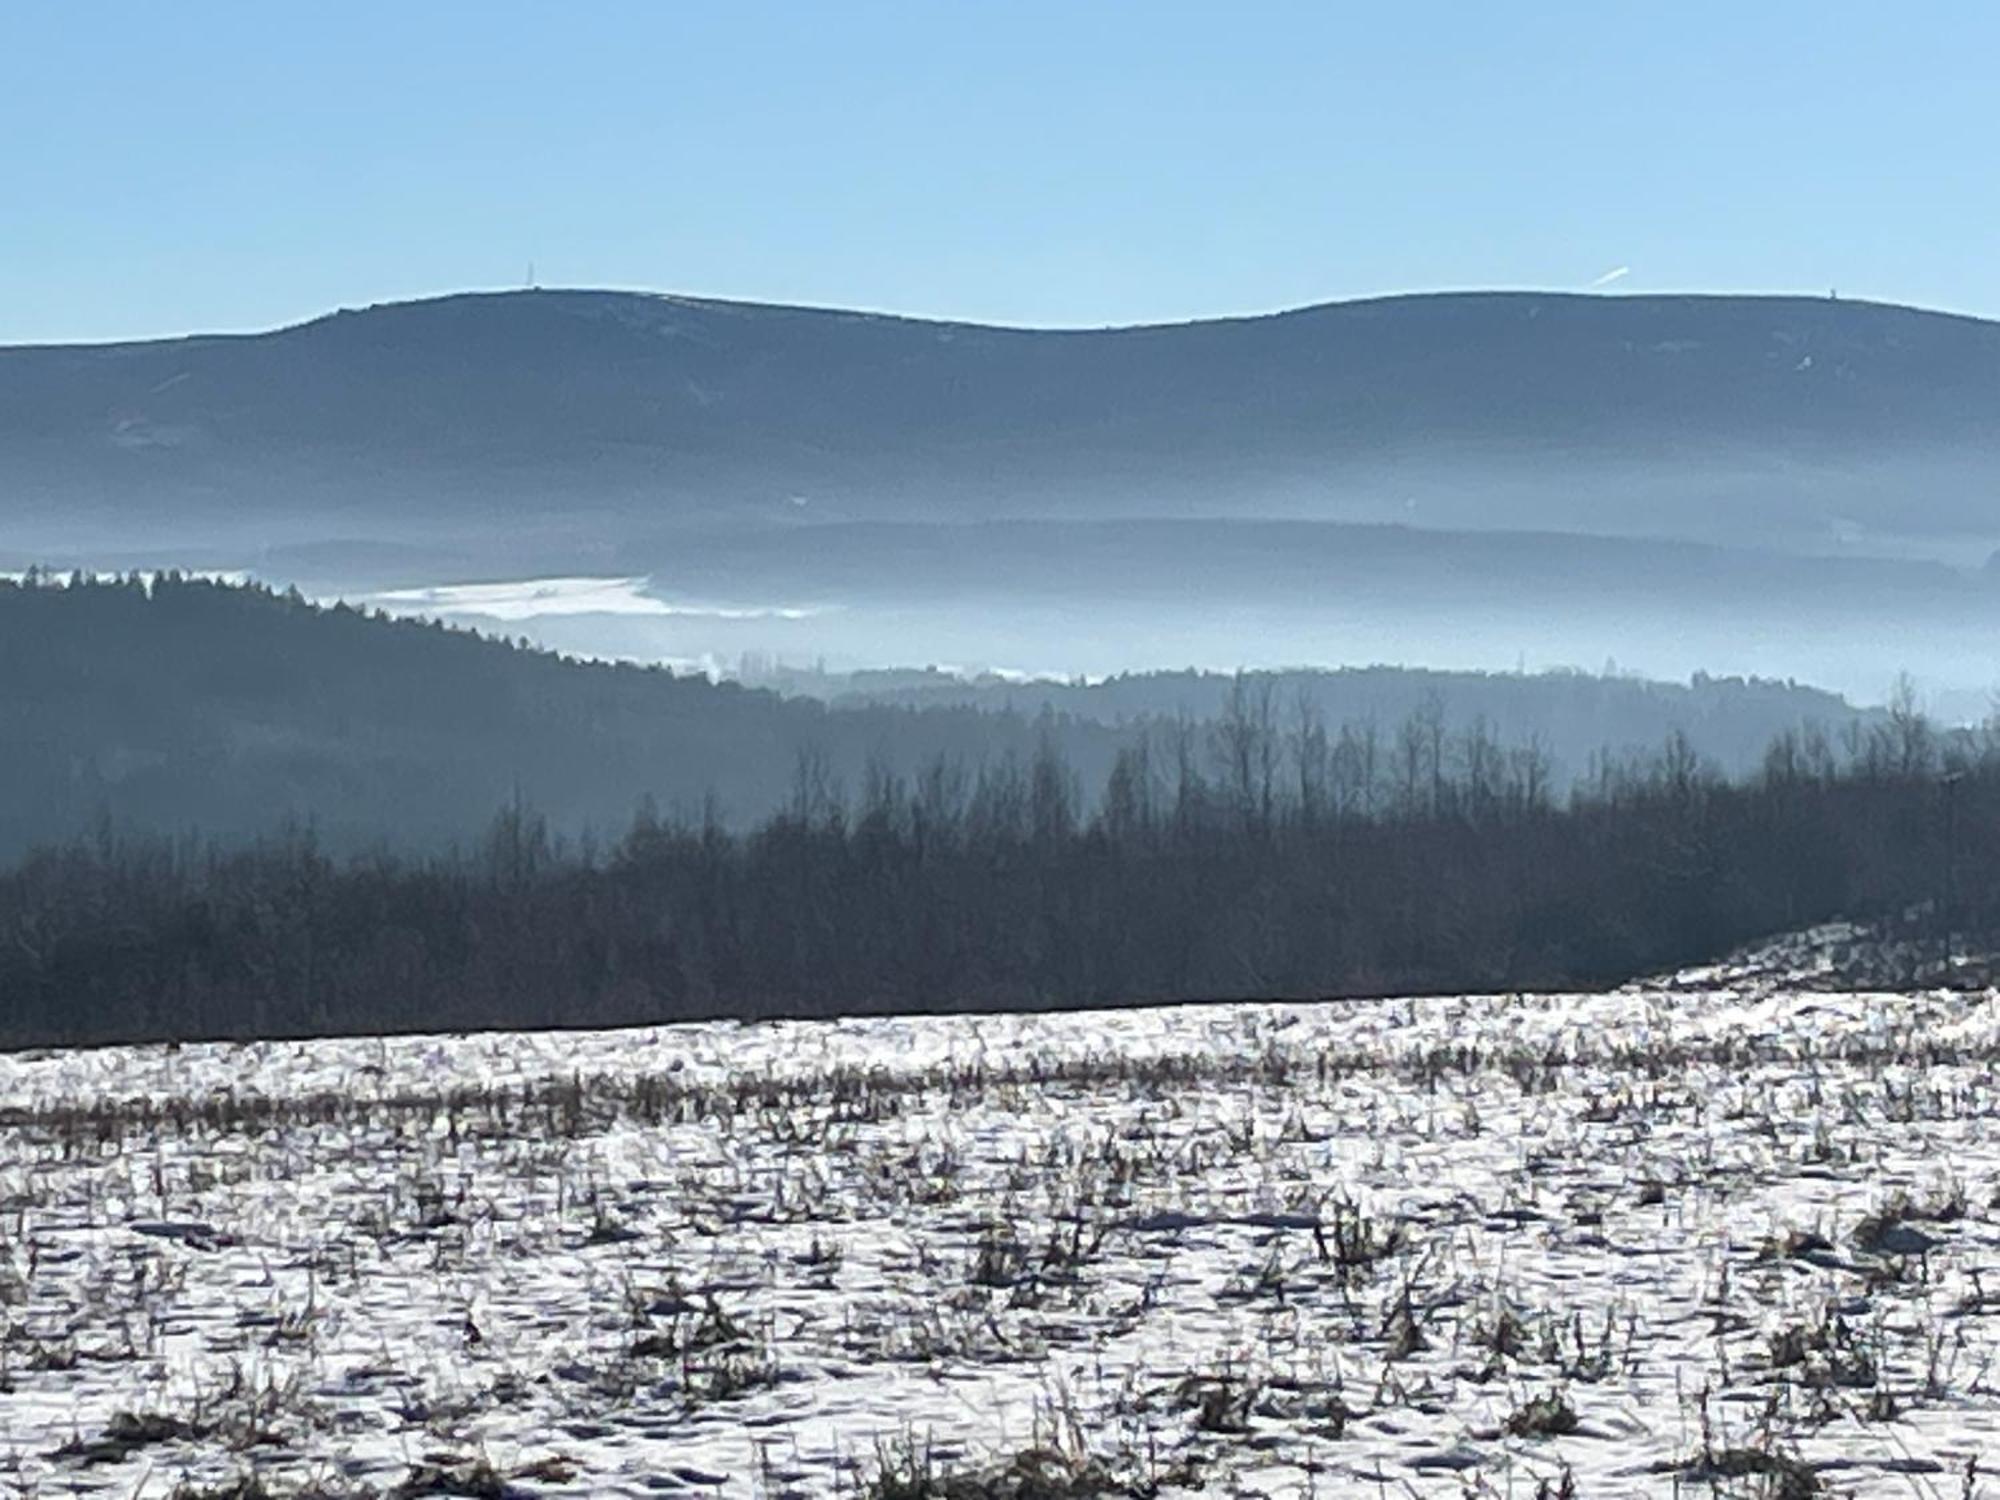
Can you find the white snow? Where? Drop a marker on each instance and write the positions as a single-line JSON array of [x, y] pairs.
[[989, 1232]]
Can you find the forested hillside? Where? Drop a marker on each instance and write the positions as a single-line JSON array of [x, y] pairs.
[[1758, 420], [1231, 864], [186, 704], [189, 704], [1574, 717]]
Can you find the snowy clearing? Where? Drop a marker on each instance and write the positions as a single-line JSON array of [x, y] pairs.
[[1720, 1240]]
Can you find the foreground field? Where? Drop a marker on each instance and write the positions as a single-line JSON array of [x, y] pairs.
[[1713, 1239]]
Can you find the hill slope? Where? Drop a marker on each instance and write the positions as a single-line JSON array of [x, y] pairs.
[[1777, 421], [228, 710]]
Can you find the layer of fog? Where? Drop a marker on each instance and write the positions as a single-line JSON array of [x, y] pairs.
[[628, 619]]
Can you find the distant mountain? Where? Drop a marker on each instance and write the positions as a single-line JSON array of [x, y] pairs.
[[578, 418]]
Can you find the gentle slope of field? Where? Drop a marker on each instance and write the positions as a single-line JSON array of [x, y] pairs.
[[1654, 1240]]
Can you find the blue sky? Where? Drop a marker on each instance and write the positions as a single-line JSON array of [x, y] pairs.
[[201, 165]]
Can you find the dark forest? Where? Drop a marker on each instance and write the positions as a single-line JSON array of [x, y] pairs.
[[1264, 855]]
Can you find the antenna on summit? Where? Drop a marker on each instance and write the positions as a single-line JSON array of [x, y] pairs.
[[530, 284]]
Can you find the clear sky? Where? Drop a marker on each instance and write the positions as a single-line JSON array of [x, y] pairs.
[[209, 165]]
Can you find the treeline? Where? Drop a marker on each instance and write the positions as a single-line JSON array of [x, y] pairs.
[[1572, 715], [1265, 855]]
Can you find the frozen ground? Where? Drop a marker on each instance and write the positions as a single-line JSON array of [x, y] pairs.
[[1717, 1238]]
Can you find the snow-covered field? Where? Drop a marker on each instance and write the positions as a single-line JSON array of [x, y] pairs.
[[1662, 1241]]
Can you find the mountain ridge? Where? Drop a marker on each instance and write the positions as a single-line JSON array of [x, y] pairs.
[[1793, 422], [1380, 300]]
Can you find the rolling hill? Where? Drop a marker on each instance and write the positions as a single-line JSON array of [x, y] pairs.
[[575, 417], [184, 705]]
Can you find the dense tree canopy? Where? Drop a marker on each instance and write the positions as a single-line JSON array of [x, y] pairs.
[[1259, 856]]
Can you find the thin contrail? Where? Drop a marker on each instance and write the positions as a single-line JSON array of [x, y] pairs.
[[1618, 273]]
